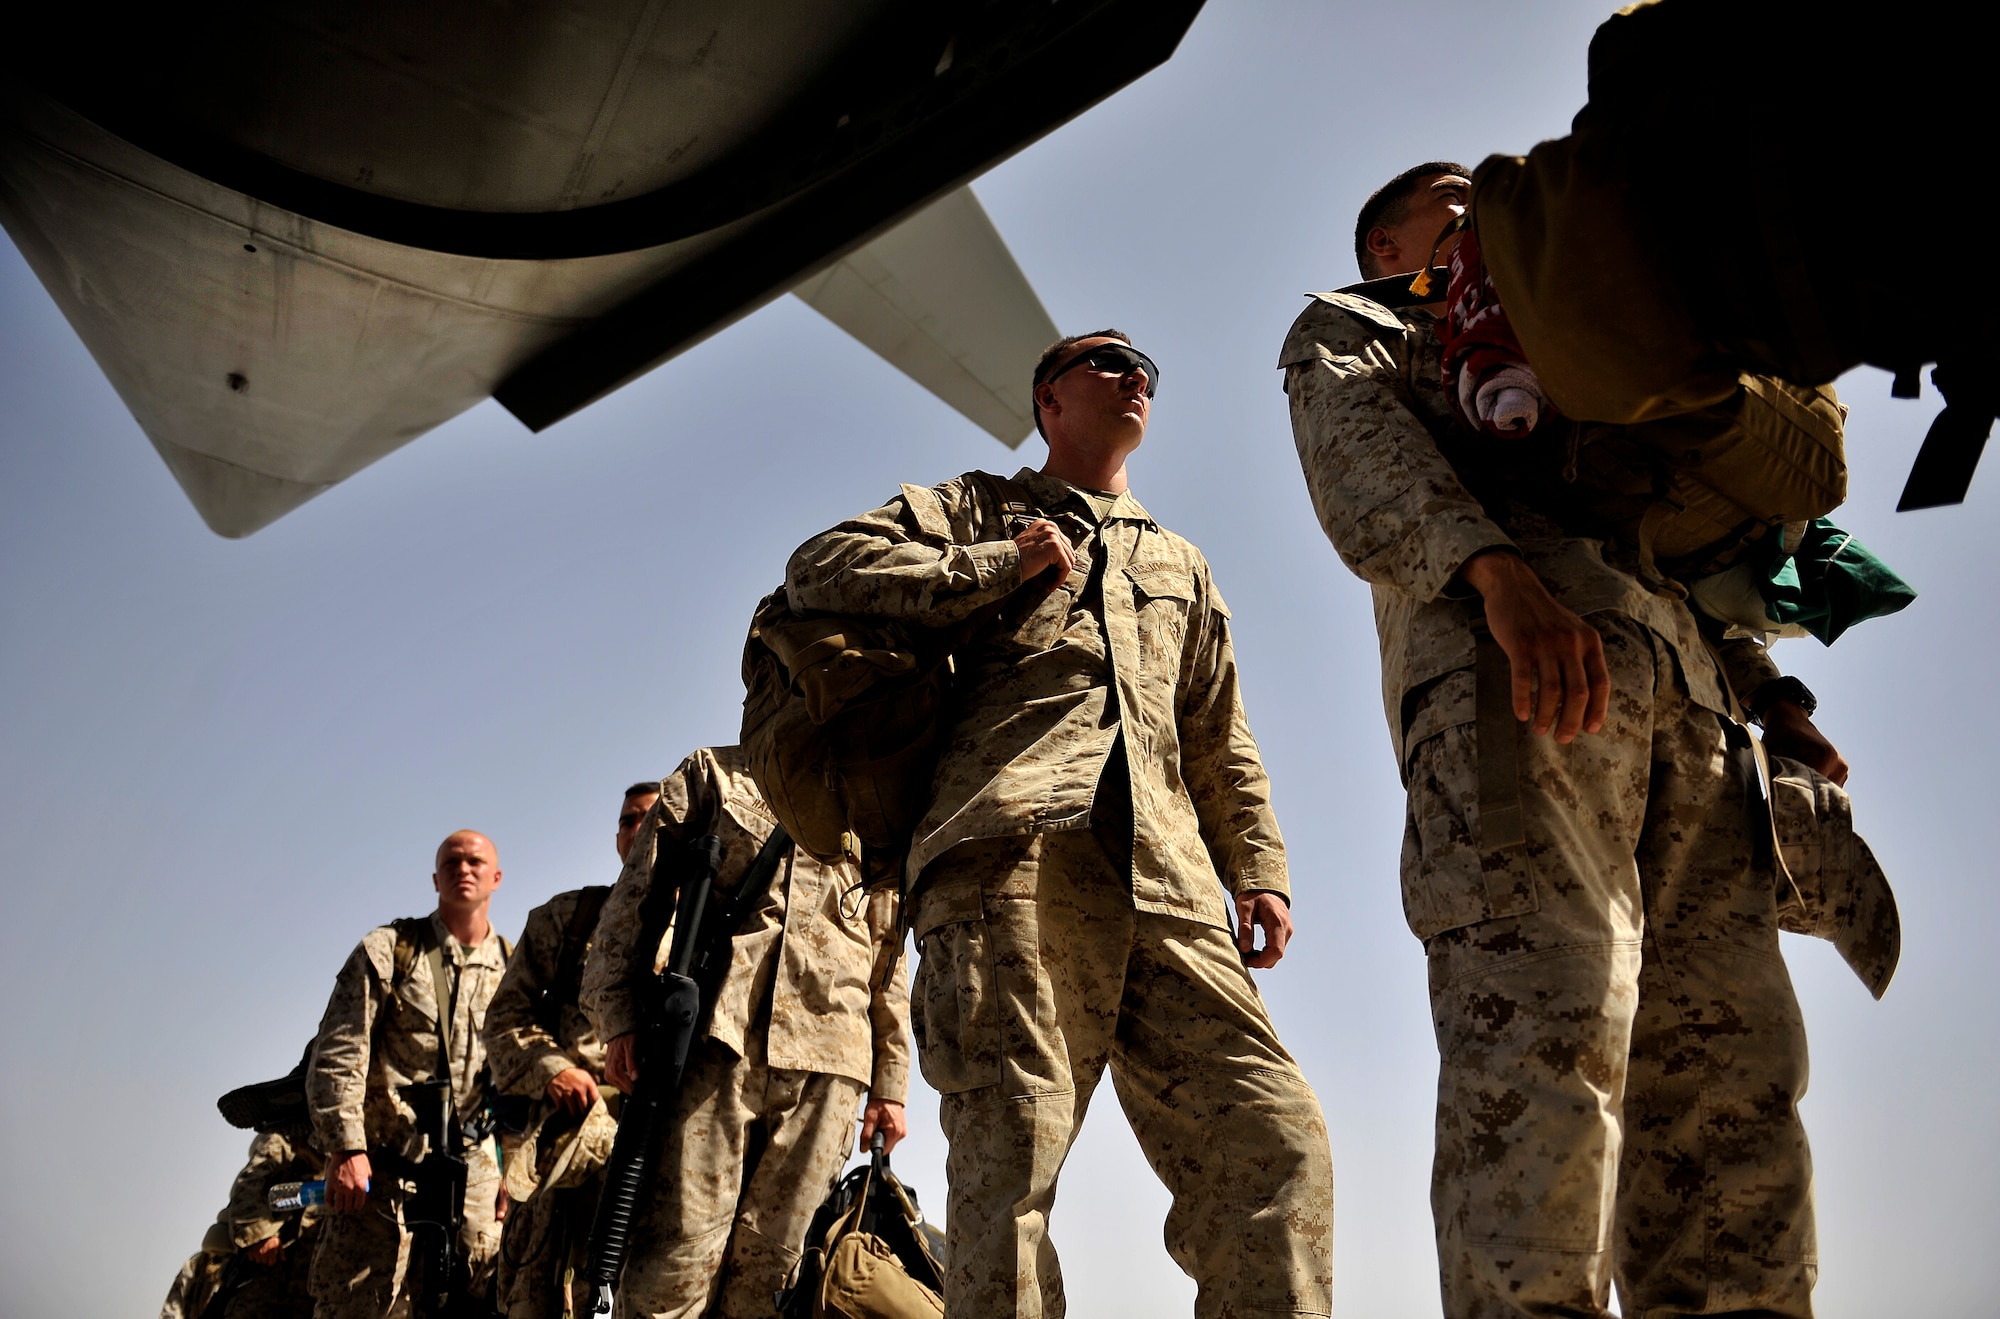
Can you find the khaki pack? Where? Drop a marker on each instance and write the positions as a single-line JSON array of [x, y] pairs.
[[1690, 492], [842, 717], [1682, 454], [869, 1254]]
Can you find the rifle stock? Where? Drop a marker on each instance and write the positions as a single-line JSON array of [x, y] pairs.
[[667, 1036]]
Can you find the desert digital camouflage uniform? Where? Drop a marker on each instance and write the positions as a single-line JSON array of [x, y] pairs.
[[377, 1036], [812, 1017], [536, 1030], [273, 1291], [1099, 800], [1621, 1052]]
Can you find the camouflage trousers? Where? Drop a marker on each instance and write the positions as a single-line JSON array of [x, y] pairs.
[[1621, 1051], [362, 1267], [543, 1251], [1038, 974], [752, 1152]]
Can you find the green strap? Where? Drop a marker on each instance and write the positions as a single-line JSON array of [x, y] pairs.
[[447, 1008]]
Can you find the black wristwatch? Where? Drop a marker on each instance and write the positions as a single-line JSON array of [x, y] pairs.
[[1781, 689]]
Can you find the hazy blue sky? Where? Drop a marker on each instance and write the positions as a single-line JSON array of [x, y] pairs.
[[221, 762]]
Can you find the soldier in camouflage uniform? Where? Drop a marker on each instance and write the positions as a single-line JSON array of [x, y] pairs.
[[811, 1019], [539, 1043], [379, 1034], [271, 1254], [1098, 855], [1621, 1052]]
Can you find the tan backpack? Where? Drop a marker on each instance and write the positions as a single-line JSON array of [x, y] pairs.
[[1690, 492], [842, 717]]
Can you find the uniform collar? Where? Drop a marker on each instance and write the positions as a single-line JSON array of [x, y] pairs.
[[1052, 492], [487, 953]]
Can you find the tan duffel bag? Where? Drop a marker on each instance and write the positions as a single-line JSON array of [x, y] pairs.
[[869, 1254]]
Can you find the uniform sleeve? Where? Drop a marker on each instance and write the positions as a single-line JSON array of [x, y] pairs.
[[1219, 760], [523, 1055], [1748, 665], [249, 1212], [617, 962], [888, 1003], [1387, 499], [337, 1080], [905, 561]]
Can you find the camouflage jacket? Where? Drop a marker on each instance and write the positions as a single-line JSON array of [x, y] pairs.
[[1367, 402], [275, 1156], [378, 1036], [815, 966], [1133, 646], [520, 1049]]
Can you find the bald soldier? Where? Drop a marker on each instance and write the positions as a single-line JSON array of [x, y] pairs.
[[540, 1044], [408, 1006], [1098, 858]]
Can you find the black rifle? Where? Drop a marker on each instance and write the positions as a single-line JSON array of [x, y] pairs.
[[673, 1009], [434, 1213]]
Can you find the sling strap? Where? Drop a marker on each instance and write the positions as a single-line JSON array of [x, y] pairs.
[[1501, 825]]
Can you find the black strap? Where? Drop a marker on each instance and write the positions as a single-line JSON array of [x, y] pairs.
[[1951, 449], [750, 890]]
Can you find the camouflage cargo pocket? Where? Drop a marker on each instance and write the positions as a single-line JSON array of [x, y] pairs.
[[1447, 882], [954, 1013]]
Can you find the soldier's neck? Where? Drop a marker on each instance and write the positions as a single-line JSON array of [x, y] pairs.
[[1089, 471], [467, 925]]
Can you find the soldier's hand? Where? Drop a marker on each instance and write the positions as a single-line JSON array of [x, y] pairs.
[[1043, 546], [621, 1061], [1789, 731], [885, 1115], [573, 1091], [1557, 659], [266, 1252], [347, 1179], [1267, 912], [503, 1204]]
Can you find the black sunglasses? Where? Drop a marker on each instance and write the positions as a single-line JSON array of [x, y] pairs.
[[1113, 359]]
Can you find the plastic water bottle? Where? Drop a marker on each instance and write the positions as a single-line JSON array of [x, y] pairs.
[[290, 1197]]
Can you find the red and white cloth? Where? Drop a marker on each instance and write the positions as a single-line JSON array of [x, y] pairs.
[[1486, 374]]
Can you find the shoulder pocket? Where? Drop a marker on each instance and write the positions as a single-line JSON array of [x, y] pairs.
[[926, 508]]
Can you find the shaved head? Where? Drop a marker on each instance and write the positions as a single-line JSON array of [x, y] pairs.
[[470, 837], [468, 870]]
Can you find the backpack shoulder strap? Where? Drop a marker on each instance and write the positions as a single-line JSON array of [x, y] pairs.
[[413, 938], [568, 979]]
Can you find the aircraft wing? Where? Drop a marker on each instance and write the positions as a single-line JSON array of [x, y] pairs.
[[940, 298], [296, 238]]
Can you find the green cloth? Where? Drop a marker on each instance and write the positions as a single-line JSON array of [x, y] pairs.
[[1829, 582]]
